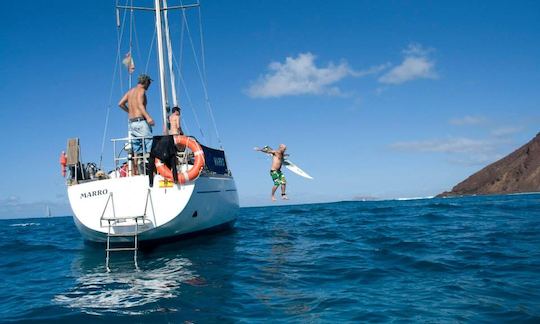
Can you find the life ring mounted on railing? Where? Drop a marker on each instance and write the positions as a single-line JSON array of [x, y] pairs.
[[198, 165]]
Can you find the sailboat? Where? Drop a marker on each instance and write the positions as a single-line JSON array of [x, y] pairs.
[[121, 205]]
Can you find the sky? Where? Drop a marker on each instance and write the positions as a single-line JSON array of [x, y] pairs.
[[374, 99]]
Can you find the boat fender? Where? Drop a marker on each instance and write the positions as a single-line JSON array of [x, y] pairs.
[[198, 164], [124, 169], [63, 163]]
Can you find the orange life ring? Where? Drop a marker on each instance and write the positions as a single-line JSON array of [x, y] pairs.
[[191, 174]]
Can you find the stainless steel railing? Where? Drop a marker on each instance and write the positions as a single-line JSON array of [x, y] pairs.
[[125, 159]]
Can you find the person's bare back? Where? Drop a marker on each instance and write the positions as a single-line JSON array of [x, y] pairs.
[[136, 104], [174, 121]]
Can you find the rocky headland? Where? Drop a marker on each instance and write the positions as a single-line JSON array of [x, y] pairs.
[[518, 172]]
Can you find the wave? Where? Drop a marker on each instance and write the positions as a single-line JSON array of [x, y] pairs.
[[444, 205], [432, 216], [413, 198], [122, 292], [24, 224], [298, 211], [380, 260]]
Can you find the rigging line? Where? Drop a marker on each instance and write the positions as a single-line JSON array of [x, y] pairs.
[[139, 58], [184, 124], [209, 107], [202, 45], [181, 79], [116, 64], [130, 78], [179, 68], [211, 111], [150, 50], [169, 56], [120, 35], [181, 55], [186, 128], [190, 103], [107, 115]]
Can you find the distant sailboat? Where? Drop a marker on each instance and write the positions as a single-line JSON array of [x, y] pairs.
[[48, 211]]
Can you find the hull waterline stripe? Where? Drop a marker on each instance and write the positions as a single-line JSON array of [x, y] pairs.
[[209, 191]]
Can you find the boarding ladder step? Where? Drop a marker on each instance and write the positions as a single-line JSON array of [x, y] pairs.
[[135, 235], [122, 218], [122, 234], [121, 249], [119, 221]]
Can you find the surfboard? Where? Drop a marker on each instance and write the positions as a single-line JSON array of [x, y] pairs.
[[288, 163], [294, 168]]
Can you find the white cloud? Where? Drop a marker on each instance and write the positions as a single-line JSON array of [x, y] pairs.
[[300, 75], [505, 131], [468, 120], [460, 150], [450, 145], [476, 159], [372, 70], [416, 65]]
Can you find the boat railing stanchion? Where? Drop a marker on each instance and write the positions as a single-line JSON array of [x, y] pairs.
[[114, 157], [130, 156], [144, 158], [107, 258], [136, 239]]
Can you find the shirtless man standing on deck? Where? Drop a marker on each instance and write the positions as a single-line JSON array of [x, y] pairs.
[[140, 122], [275, 172], [139, 119]]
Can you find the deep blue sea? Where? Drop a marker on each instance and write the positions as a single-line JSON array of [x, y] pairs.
[[473, 259]]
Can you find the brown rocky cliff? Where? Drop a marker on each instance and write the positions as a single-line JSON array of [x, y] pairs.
[[517, 172]]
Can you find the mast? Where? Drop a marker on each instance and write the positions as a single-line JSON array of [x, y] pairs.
[[161, 61], [170, 55], [159, 35]]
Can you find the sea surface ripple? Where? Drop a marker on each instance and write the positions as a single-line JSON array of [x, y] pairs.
[[474, 259]]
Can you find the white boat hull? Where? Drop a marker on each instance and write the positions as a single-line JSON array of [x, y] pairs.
[[207, 203]]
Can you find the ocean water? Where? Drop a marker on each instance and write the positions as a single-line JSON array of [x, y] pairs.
[[473, 259]]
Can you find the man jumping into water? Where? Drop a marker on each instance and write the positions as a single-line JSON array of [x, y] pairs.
[[275, 172]]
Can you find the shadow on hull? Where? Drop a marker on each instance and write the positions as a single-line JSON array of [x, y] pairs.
[[149, 245]]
